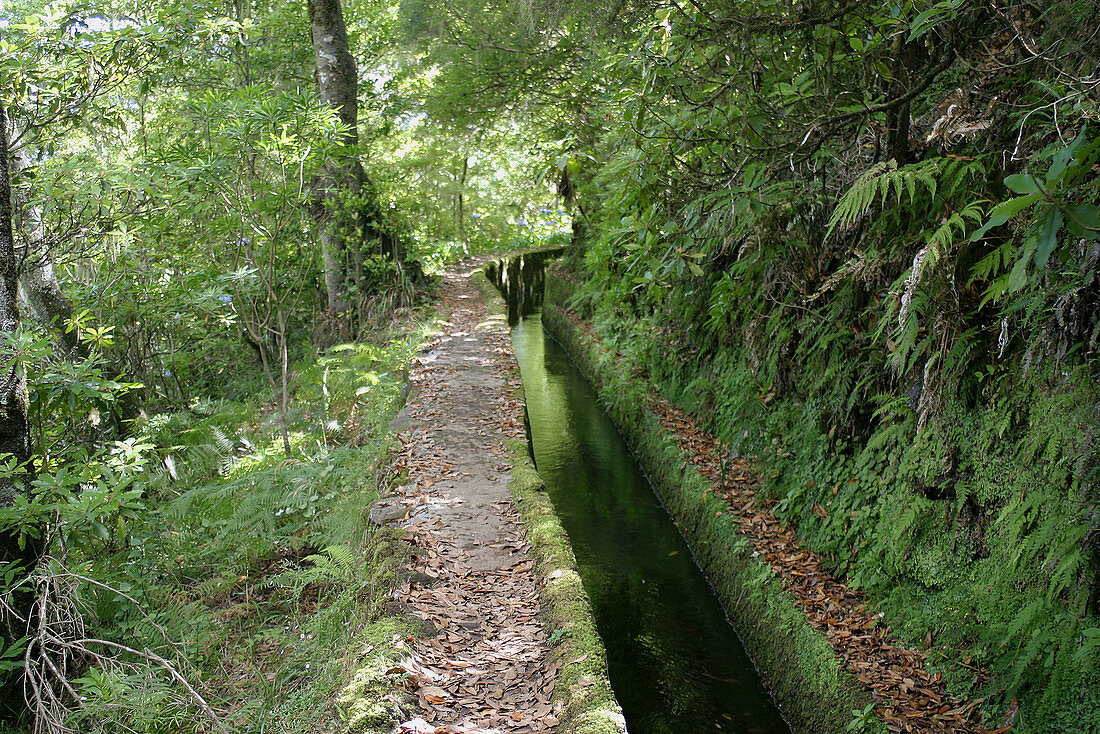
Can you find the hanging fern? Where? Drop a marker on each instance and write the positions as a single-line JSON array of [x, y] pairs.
[[944, 236], [875, 185], [945, 178]]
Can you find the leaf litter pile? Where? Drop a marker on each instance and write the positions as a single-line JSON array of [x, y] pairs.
[[488, 667], [908, 698]]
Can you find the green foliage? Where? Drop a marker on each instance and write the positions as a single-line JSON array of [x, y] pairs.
[[892, 340], [1055, 204], [251, 562], [878, 182], [860, 239], [166, 161]]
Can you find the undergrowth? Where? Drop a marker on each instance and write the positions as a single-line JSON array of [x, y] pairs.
[[970, 535], [256, 574], [903, 330]]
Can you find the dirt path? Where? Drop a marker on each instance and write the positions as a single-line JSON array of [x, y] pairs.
[[487, 669]]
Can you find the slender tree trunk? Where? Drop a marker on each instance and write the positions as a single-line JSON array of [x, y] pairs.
[[462, 203], [38, 280], [41, 291], [337, 84], [897, 118], [44, 296], [16, 550]]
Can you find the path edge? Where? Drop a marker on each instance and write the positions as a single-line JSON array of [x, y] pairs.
[[800, 668], [582, 686]]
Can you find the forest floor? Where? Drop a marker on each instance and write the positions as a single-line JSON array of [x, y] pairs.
[[484, 664]]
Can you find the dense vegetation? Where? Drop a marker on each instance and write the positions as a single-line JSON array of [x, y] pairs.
[[862, 242], [860, 239], [201, 215]]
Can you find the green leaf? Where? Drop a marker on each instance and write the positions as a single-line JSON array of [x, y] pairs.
[[1003, 212], [1083, 220], [100, 530], [929, 18], [1063, 157], [1047, 236], [1018, 277], [1022, 183]]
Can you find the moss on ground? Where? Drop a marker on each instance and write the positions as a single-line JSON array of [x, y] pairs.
[[370, 700]]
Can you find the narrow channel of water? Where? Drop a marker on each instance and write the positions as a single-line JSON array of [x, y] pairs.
[[676, 664]]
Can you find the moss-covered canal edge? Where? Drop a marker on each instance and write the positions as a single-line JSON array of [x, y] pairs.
[[795, 660], [582, 686]]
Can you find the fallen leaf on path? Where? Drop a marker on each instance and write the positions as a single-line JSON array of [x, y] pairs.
[[489, 665], [433, 695]]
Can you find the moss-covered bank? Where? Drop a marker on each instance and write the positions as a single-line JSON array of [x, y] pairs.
[[974, 535], [582, 686], [796, 661]]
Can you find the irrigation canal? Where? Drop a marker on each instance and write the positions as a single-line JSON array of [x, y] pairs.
[[675, 662]]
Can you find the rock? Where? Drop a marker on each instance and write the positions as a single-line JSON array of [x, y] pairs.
[[387, 510], [401, 421]]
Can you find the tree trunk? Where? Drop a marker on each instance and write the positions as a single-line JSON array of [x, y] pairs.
[[462, 204], [337, 79], [38, 280], [16, 550], [41, 291], [44, 296], [897, 117]]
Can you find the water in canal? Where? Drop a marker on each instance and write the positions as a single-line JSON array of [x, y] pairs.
[[676, 664]]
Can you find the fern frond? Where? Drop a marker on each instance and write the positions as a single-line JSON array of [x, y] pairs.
[[943, 237], [341, 554], [862, 194], [876, 183]]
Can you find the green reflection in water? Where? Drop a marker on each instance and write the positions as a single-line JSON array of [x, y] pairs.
[[676, 664]]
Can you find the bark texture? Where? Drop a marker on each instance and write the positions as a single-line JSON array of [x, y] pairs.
[[14, 429], [337, 84], [352, 229], [15, 549], [38, 282], [897, 117]]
